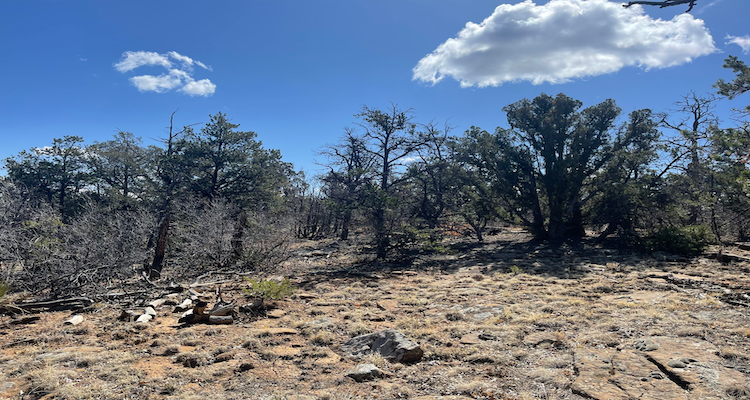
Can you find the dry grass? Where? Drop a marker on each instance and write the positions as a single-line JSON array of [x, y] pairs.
[[487, 332]]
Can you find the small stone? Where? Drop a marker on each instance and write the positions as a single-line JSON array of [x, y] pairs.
[[364, 372], [245, 367], [157, 303], [676, 364], [75, 320], [276, 313], [144, 318], [150, 311], [646, 345]]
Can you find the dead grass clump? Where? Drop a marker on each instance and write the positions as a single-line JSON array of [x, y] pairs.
[[738, 392], [357, 329], [733, 354], [606, 339], [690, 331], [194, 359], [322, 338]]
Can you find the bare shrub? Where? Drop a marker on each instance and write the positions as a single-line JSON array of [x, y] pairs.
[[217, 236]]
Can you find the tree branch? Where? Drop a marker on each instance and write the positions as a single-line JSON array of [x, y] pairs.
[[664, 3]]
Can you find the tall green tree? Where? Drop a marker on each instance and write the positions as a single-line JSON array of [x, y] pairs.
[[350, 173], [547, 166], [119, 167], [433, 174], [567, 146], [58, 173], [233, 164], [391, 136]]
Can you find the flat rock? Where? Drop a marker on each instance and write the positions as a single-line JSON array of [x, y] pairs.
[[537, 338], [655, 368], [281, 331], [471, 338], [389, 343], [365, 372], [387, 305], [276, 313]]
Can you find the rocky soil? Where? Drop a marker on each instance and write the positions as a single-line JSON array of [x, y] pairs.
[[508, 319]]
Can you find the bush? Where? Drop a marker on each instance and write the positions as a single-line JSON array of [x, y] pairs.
[[269, 289], [423, 241], [687, 240]]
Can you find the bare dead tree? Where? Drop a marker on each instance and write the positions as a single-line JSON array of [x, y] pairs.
[[664, 3]]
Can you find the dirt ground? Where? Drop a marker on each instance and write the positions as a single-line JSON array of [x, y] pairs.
[[507, 319]]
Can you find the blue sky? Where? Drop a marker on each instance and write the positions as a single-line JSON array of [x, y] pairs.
[[296, 72]]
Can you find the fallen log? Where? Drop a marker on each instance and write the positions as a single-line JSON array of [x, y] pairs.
[[21, 321], [73, 303]]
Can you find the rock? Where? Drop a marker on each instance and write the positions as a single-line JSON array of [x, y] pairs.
[[144, 318], [280, 331], [245, 367], [276, 313], [128, 315], [539, 338], [605, 374], [74, 320], [387, 305], [150, 311], [471, 338], [157, 303], [183, 306], [172, 299], [655, 368], [365, 372], [220, 319], [646, 345], [389, 343], [319, 324]]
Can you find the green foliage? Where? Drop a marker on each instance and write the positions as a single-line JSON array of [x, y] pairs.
[[4, 289], [741, 82], [269, 289], [687, 240], [515, 270], [423, 240]]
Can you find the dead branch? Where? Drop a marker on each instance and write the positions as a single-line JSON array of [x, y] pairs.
[[663, 4], [72, 303]]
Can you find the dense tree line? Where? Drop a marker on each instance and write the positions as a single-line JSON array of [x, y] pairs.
[[214, 199]]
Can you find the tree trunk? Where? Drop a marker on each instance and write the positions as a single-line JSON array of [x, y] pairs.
[[345, 225], [381, 236], [154, 272]]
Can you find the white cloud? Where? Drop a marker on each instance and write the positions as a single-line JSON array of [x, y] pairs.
[[134, 59], [203, 87], [204, 66], [742, 41], [563, 40], [161, 83], [181, 78]]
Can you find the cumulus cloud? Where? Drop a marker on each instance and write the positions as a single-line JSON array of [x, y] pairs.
[[203, 87], [742, 41], [563, 40], [177, 77]]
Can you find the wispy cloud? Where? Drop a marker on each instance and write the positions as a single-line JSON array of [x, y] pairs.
[[177, 77], [742, 41], [563, 40]]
